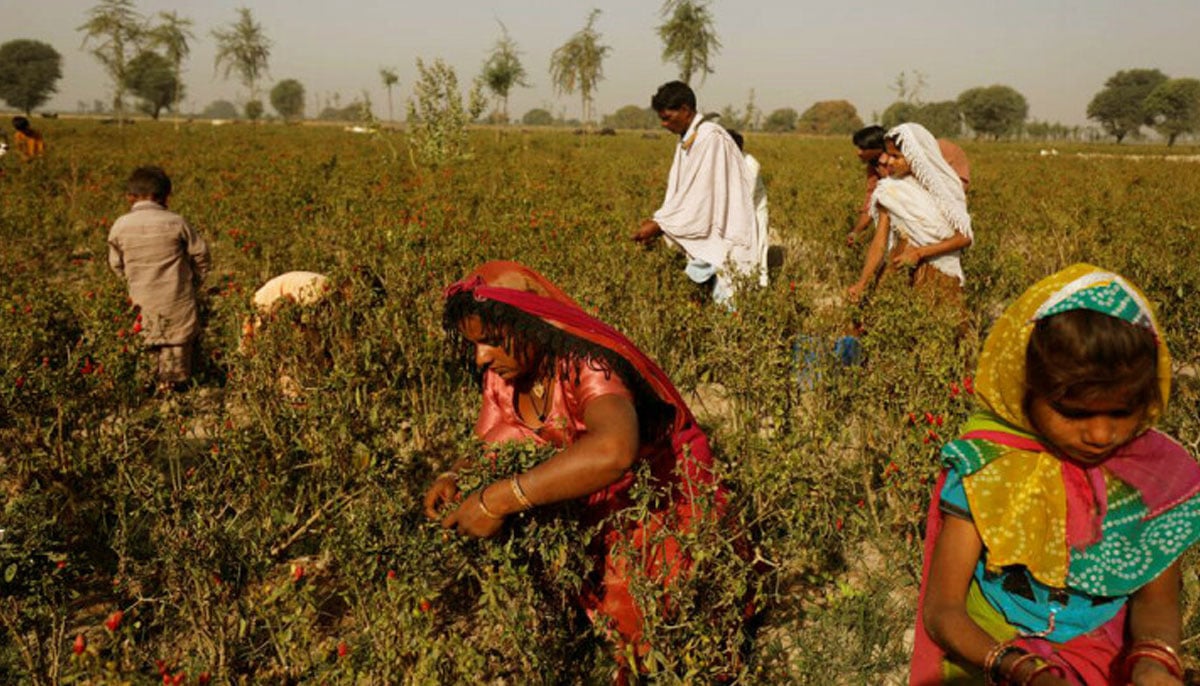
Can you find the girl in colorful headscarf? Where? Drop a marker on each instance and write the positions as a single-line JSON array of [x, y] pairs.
[[1056, 528], [920, 213], [557, 376]]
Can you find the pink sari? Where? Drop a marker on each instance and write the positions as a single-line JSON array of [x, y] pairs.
[[680, 465]]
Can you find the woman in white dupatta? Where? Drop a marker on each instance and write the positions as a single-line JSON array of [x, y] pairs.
[[920, 213]]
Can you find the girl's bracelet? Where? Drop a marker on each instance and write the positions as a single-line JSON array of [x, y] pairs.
[[995, 658], [1168, 661], [519, 493], [452, 475], [1042, 669], [1015, 667], [487, 511]]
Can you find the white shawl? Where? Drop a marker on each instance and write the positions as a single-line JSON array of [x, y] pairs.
[[927, 206], [708, 210]]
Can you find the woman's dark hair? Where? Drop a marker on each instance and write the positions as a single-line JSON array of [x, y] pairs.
[[149, 182], [869, 138], [672, 96], [555, 352], [1086, 355]]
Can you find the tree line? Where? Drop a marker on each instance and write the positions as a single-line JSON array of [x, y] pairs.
[[143, 57]]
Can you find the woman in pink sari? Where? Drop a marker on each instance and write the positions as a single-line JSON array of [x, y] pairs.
[[554, 375]]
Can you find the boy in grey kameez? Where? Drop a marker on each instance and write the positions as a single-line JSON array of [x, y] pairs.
[[164, 260]]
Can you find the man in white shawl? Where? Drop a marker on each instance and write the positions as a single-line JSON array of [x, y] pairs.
[[709, 209], [920, 213]]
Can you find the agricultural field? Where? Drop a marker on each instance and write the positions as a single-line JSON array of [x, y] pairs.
[[231, 534]]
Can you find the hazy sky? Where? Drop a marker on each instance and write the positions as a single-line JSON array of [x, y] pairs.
[[1056, 52]]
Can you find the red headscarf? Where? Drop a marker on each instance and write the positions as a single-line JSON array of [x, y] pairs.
[[523, 288]]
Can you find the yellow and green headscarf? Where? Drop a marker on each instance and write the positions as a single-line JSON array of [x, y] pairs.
[[1029, 506]]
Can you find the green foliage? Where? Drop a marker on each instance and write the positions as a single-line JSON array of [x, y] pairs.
[[579, 63], [830, 118], [115, 29], [172, 34], [689, 38], [247, 535], [254, 110], [390, 79], [631, 117], [243, 47], [503, 70], [781, 120], [993, 110], [1174, 107], [1120, 107], [538, 117], [151, 78], [287, 97], [29, 70], [220, 109], [943, 119], [437, 118], [351, 112]]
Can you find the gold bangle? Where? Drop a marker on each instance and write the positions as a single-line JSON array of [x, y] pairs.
[[1019, 662], [487, 511], [520, 493], [1155, 643], [1168, 661], [447, 475]]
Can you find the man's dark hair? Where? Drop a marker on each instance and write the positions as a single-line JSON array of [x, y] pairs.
[[673, 95], [149, 182], [869, 138], [20, 123]]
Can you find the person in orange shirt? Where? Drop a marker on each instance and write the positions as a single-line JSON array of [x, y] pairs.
[[28, 141]]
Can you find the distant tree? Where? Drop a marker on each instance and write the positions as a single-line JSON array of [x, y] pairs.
[[899, 112], [1120, 107], [538, 117], [752, 120], [503, 69], [151, 78], [908, 88], [781, 120], [437, 116], [254, 110], [390, 79], [1174, 106], [287, 97], [115, 28], [632, 117], [352, 112], [171, 35], [243, 47], [732, 118], [220, 109], [943, 119], [29, 70], [830, 118], [579, 64], [993, 110], [689, 38]]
